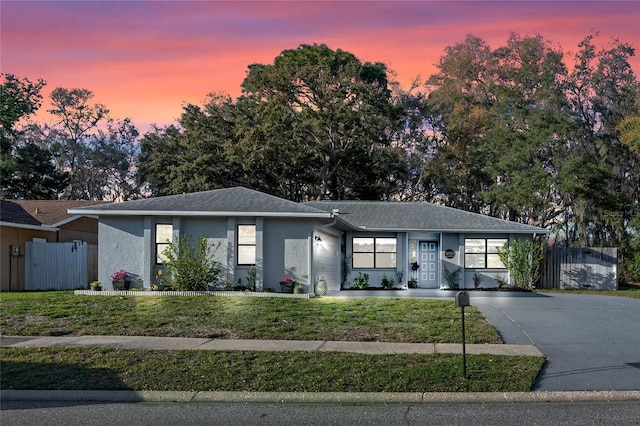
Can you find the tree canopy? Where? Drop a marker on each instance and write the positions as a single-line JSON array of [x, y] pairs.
[[83, 155], [521, 132], [519, 136], [317, 123]]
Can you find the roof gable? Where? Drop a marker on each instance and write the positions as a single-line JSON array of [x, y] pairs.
[[393, 216], [227, 201]]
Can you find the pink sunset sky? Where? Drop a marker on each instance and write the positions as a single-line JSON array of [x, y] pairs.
[[146, 59]]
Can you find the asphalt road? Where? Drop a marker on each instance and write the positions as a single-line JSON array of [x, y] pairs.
[[87, 414], [591, 342]]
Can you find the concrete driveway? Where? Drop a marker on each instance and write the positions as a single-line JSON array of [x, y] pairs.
[[591, 342]]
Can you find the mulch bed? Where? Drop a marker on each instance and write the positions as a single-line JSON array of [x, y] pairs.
[[503, 289]]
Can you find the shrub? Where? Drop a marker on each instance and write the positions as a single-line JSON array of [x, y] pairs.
[[451, 277], [631, 267], [251, 278], [361, 281], [477, 280], [190, 264], [387, 283], [522, 258]]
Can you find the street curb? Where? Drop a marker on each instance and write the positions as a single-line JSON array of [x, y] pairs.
[[318, 397]]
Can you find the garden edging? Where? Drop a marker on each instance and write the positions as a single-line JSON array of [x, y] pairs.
[[190, 293]]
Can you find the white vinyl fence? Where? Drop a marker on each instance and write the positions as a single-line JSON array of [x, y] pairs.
[[55, 266]]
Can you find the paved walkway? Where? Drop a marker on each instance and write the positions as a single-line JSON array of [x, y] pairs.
[[177, 343]]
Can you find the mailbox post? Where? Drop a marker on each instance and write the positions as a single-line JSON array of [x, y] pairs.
[[462, 300]]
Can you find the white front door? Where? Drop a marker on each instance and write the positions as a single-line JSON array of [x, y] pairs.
[[428, 276]]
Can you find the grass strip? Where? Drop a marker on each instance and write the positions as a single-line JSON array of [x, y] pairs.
[[327, 318], [126, 369], [631, 291]]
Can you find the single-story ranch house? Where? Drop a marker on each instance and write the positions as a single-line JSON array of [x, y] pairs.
[[334, 241]]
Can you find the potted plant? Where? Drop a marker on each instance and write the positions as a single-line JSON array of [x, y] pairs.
[[95, 285], [298, 289], [121, 280], [161, 283], [286, 285], [412, 283]]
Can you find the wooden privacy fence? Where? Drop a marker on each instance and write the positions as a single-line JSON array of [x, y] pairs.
[[580, 268], [59, 266]]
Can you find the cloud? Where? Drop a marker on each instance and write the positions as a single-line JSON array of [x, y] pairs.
[[146, 59]]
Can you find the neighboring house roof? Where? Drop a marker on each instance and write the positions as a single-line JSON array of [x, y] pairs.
[[40, 214], [404, 216], [12, 212], [236, 201]]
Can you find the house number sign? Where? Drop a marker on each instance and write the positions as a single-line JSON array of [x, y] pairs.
[[449, 254]]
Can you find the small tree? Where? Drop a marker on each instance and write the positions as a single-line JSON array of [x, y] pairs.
[[522, 258], [190, 264]]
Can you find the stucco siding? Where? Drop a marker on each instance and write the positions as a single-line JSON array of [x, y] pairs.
[[215, 229], [455, 242], [286, 252], [327, 261], [121, 246]]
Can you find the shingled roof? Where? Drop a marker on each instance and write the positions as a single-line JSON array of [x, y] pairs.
[[356, 215], [236, 201], [404, 216], [42, 213]]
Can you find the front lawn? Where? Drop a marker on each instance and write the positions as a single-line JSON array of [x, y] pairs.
[[327, 318], [122, 369], [352, 319]]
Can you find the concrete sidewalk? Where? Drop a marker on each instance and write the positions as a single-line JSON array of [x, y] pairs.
[[187, 343], [183, 343]]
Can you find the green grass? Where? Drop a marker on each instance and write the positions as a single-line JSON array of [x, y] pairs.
[[111, 369], [326, 318], [632, 291]]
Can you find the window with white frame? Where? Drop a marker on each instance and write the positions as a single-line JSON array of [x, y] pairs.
[[482, 253], [246, 244], [164, 234], [374, 252]]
